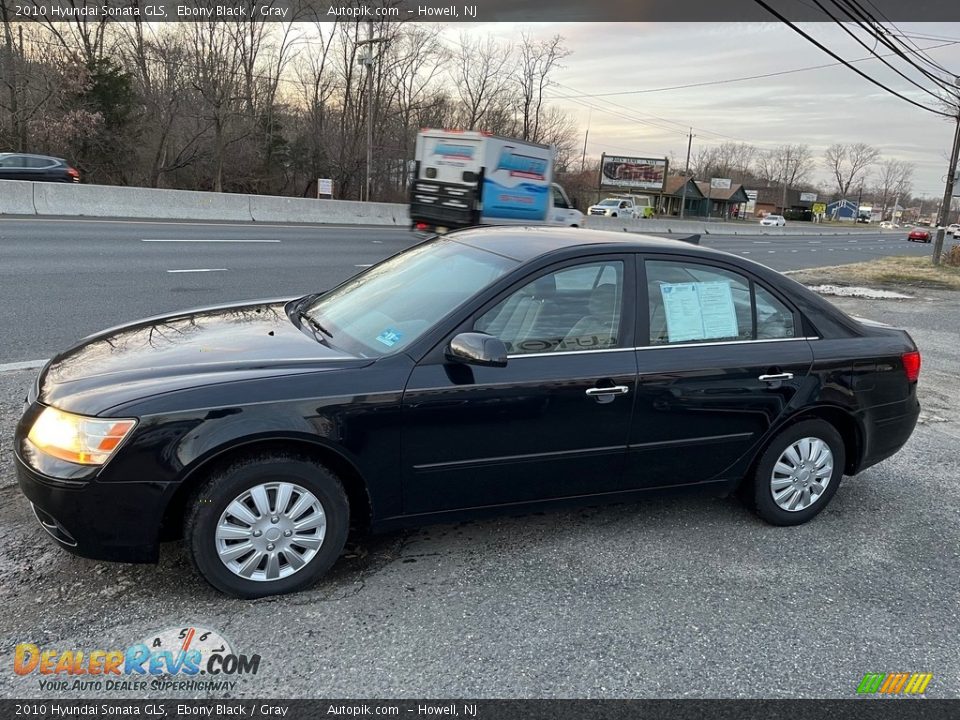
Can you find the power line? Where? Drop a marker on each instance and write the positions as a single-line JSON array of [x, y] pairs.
[[747, 77], [832, 54], [877, 31], [683, 126], [852, 34]]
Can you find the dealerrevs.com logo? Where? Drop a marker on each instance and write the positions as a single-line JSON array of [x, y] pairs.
[[894, 683], [176, 659]]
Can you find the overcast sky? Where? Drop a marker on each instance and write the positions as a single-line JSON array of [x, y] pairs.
[[818, 107]]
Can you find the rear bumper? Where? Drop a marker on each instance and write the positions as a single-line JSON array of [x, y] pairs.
[[93, 519], [887, 429]]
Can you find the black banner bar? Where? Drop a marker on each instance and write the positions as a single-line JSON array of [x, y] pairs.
[[511, 11], [857, 709]]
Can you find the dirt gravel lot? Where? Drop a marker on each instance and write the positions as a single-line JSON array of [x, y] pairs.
[[679, 597]]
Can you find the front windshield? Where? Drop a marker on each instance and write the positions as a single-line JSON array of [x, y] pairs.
[[392, 304], [609, 202]]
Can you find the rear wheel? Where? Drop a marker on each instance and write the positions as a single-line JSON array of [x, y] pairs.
[[798, 473], [267, 525]]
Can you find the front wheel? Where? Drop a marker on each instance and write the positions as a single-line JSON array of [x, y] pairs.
[[267, 525], [797, 474]]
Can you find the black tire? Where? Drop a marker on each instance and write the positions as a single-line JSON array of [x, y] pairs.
[[757, 488], [210, 502], [613, 215]]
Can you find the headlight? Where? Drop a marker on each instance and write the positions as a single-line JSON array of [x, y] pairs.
[[78, 439]]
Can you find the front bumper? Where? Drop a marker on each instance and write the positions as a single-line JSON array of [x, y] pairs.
[[117, 521]]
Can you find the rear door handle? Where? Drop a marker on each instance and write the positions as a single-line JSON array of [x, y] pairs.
[[614, 390], [778, 377]]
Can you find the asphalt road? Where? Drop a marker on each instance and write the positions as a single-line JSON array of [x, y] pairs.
[[679, 597], [62, 279]]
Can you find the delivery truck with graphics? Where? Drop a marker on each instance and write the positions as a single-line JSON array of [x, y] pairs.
[[464, 178]]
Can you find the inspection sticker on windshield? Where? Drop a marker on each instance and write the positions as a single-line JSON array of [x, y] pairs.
[[390, 337]]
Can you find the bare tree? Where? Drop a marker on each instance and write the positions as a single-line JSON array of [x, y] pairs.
[[785, 165], [848, 164], [536, 60], [894, 182], [479, 74]]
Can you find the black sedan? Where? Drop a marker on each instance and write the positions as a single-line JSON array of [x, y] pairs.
[[39, 168], [492, 370]]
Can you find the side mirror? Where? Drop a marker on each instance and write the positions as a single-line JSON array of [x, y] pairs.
[[476, 348]]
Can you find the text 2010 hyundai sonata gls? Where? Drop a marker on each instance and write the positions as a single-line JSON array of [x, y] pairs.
[[492, 369]]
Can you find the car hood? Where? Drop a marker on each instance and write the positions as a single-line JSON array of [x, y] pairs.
[[172, 352]]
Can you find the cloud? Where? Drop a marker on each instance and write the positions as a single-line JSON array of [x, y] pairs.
[[817, 107]]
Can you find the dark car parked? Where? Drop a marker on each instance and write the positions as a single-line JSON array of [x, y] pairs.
[[493, 369], [39, 168]]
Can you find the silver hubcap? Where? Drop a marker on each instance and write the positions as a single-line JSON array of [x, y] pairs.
[[270, 531], [801, 474]]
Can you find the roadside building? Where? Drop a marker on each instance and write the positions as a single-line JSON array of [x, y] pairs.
[[723, 202], [771, 200], [671, 197], [843, 210]]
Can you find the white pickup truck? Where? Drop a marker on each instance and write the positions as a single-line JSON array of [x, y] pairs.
[[640, 206]]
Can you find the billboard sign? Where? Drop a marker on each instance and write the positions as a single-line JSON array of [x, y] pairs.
[[720, 183], [808, 197], [632, 173], [324, 186]]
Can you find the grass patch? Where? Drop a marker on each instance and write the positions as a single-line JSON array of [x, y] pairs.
[[901, 271]]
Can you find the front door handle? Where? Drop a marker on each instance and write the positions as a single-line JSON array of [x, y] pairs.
[[613, 390], [778, 377]]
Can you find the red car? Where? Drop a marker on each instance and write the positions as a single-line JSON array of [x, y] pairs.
[[919, 235]]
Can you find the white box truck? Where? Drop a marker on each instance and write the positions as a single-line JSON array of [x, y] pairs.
[[464, 178]]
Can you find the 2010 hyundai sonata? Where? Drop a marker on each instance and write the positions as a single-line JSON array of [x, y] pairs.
[[492, 369]]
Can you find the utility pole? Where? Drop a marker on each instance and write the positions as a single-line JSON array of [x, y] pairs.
[[686, 176], [944, 218], [367, 61], [583, 158], [856, 218]]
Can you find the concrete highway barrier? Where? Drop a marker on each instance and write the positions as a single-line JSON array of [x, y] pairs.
[[108, 201], [103, 201], [349, 212], [16, 198], [676, 226]]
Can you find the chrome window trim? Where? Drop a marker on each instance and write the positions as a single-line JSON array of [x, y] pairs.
[[662, 347], [724, 342]]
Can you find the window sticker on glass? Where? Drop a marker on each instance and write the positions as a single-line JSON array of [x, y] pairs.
[[699, 311], [390, 337]]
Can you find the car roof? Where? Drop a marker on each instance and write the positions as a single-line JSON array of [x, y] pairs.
[[33, 155], [525, 243]]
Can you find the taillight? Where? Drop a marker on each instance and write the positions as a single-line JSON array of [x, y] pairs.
[[74, 173], [421, 226], [911, 365]]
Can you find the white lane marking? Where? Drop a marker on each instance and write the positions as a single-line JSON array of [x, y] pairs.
[[771, 251], [362, 266], [202, 240], [198, 270], [813, 242], [761, 242], [25, 365], [238, 224], [793, 251], [744, 252], [377, 242]]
